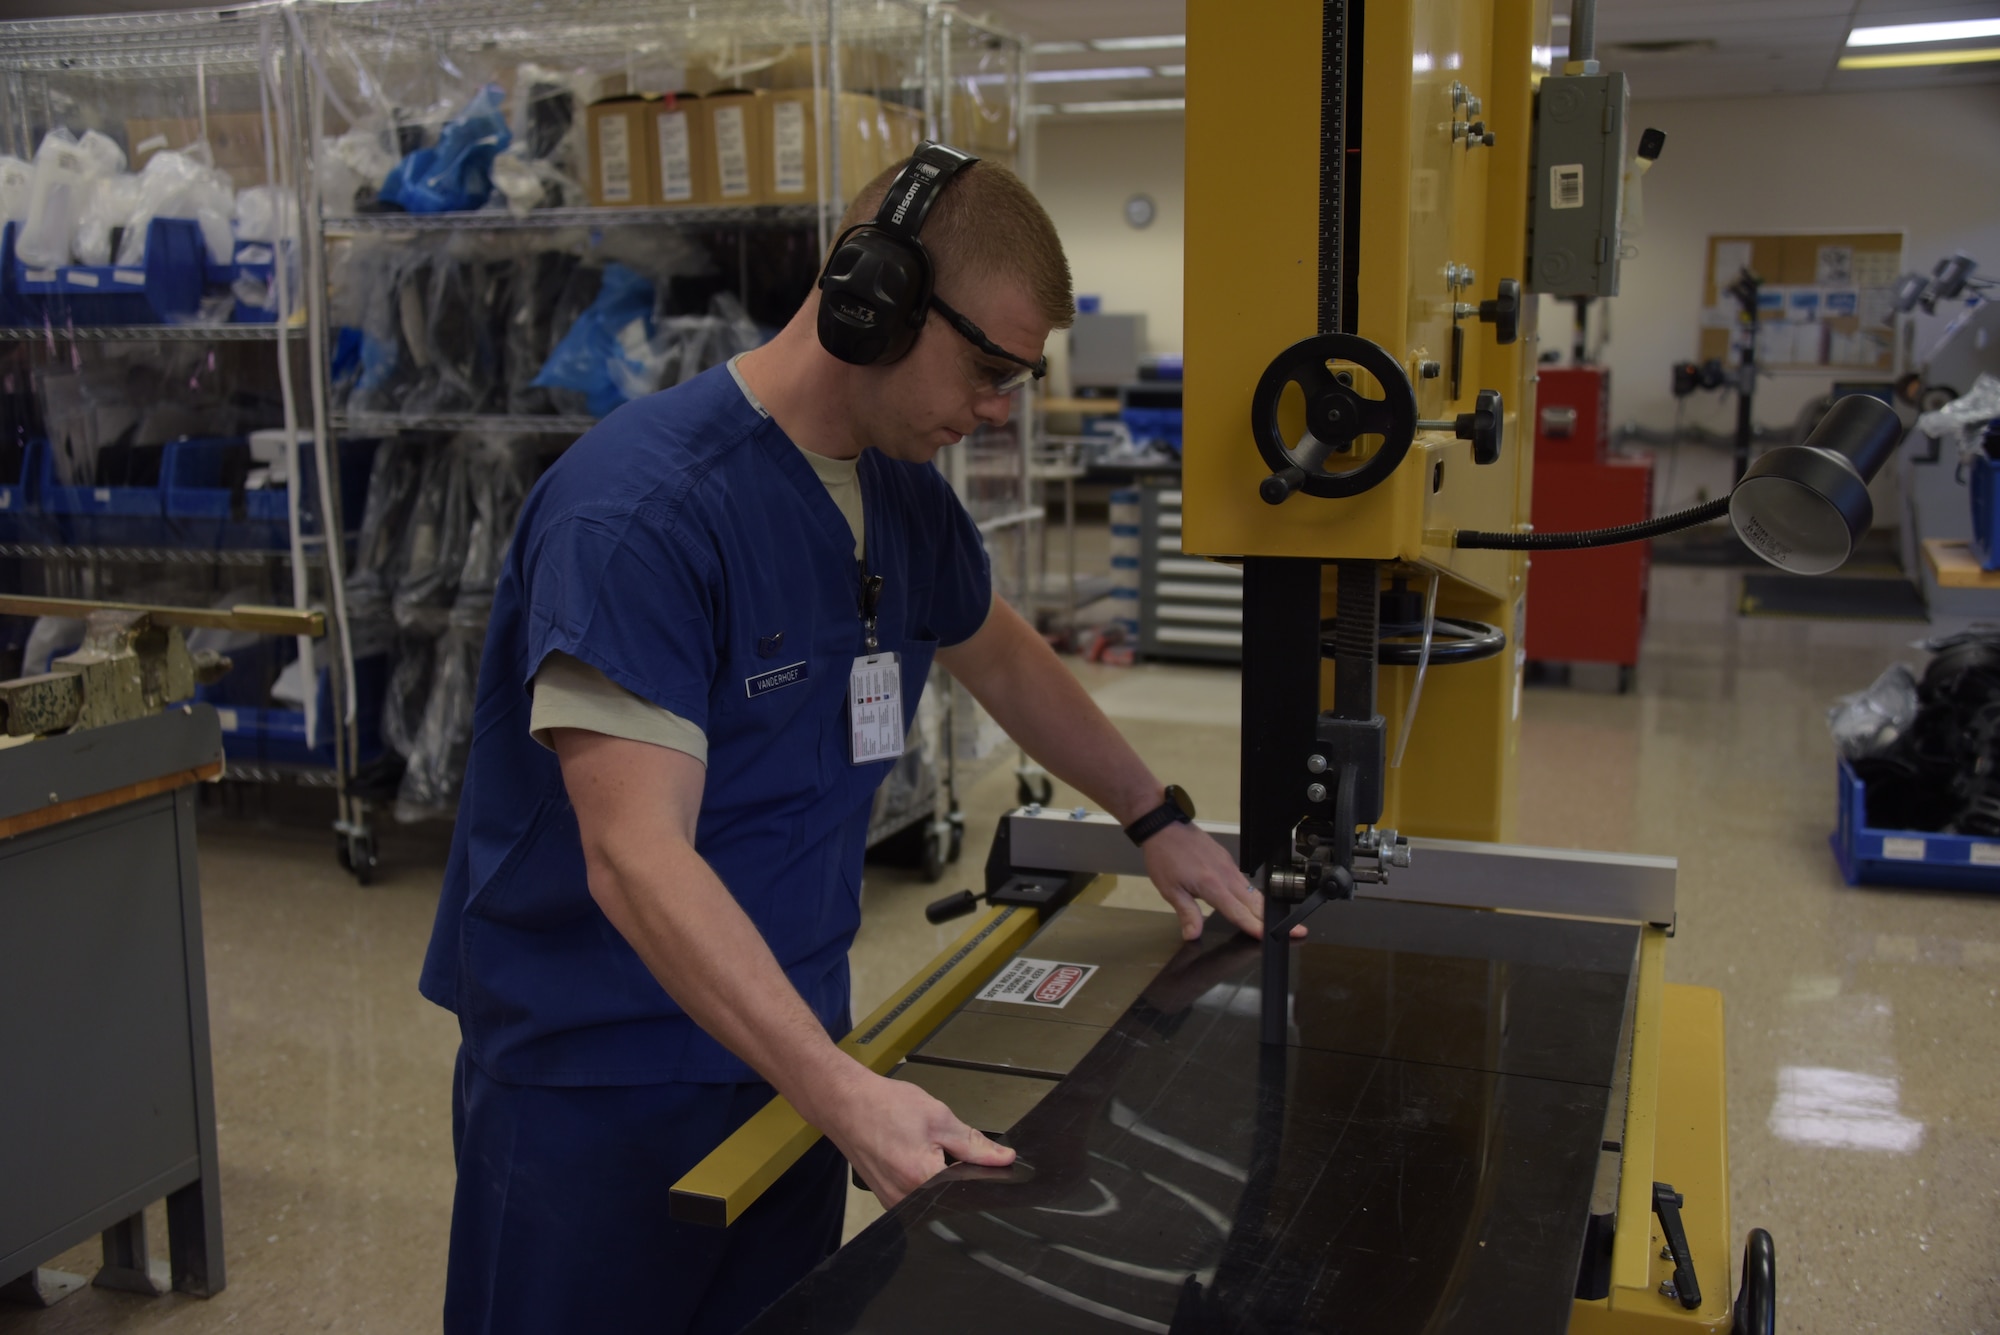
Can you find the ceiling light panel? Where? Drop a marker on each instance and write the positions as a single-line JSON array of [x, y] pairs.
[[1131, 104], [1061, 48], [1162, 43], [1104, 75], [1904, 34], [1904, 60]]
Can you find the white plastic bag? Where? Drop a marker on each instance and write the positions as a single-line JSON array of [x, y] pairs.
[[177, 185], [113, 200], [17, 188], [266, 213], [106, 158], [1961, 422], [63, 175]]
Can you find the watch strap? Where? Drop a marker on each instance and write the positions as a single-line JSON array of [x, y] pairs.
[[1159, 818]]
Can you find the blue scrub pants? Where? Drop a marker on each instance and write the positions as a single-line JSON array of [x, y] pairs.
[[560, 1220]]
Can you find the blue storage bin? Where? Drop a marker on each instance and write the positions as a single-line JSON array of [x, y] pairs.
[[1869, 856], [166, 289], [1159, 424], [1985, 501], [202, 510], [275, 735], [98, 516], [258, 260], [20, 515]]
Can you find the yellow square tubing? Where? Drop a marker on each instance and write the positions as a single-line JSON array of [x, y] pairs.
[[721, 1187]]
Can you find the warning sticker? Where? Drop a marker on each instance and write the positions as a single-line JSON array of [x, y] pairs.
[[1027, 982]]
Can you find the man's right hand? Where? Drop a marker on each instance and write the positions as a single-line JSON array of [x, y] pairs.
[[896, 1136]]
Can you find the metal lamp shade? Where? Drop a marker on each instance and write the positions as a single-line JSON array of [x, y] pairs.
[[1804, 507]]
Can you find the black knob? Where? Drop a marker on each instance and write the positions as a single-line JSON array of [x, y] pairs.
[[1504, 312], [951, 906], [1278, 488], [1482, 426]]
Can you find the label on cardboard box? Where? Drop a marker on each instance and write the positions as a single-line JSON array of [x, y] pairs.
[[732, 153], [676, 157], [788, 147], [614, 159]]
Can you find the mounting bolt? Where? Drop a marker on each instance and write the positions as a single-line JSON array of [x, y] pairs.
[[1316, 764], [1667, 1289], [1316, 792], [1429, 370]]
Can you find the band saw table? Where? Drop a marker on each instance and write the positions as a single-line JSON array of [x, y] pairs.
[[1468, 1100]]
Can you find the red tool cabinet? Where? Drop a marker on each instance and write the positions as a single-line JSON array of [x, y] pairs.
[[1587, 606]]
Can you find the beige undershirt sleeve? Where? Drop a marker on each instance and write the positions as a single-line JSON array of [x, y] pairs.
[[570, 693]]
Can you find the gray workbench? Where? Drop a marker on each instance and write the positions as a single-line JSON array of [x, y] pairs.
[[109, 1103]]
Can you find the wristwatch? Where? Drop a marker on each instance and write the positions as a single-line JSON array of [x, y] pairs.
[[1177, 809]]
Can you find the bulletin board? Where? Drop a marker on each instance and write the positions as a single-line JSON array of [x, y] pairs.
[[1828, 300]]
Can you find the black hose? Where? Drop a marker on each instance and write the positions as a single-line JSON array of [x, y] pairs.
[[1593, 537]]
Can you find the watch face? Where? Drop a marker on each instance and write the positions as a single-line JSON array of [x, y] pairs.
[[1178, 796]]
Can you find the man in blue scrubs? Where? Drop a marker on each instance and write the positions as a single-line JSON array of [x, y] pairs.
[[656, 872]]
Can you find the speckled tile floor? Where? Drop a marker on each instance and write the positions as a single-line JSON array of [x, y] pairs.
[[1864, 1086]]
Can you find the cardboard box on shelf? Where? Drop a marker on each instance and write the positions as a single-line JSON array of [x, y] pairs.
[[681, 171], [983, 122], [738, 170], [622, 161], [863, 69], [871, 133], [906, 131], [236, 138]]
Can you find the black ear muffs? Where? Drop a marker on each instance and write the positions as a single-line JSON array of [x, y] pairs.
[[875, 291]]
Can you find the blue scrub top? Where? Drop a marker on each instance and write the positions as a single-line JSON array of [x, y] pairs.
[[686, 549]]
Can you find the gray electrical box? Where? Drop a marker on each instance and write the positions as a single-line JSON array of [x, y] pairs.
[[1105, 350], [1578, 185]]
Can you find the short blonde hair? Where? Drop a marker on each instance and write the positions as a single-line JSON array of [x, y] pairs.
[[987, 224]]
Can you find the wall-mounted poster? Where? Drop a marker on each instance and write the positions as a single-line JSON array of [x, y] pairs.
[[1828, 299]]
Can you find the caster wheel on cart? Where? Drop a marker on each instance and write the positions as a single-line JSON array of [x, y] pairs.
[[357, 855], [1037, 790], [957, 836], [937, 846]]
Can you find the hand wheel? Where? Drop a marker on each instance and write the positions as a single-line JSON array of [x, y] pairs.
[[1337, 414]]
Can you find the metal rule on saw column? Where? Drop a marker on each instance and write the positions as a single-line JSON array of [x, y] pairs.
[[1419, 1156]]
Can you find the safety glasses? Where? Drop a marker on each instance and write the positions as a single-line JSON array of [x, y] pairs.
[[1002, 382]]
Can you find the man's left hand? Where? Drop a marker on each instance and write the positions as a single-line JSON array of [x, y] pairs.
[[1187, 866]]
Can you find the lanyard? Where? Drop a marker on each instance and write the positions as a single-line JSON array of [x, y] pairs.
[[871, 598]]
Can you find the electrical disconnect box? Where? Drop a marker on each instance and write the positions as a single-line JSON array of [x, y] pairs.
[[1578, 184]]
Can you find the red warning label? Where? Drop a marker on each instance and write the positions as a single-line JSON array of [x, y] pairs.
[[1026, 982]]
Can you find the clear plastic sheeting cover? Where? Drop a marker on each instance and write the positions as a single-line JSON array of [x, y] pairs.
[[1960, 422], [1869, 722], [494, 475]]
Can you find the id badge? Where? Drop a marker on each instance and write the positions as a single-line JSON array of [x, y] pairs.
[[875, 709]]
